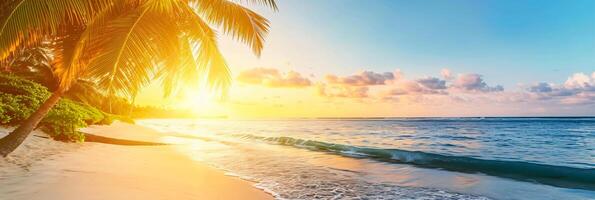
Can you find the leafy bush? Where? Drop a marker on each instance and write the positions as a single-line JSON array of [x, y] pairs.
[[19, 98]]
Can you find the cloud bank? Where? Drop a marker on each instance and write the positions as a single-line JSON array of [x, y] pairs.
[[428, 85], [578, 89], [354, 86], [364, 78], [474, 83], [447, 87]]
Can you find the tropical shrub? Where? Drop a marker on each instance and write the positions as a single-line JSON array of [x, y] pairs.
[[19, 98]]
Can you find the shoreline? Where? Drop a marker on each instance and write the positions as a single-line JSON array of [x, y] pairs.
[[45, 169]]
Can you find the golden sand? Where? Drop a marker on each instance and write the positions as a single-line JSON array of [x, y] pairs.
[[46, 170]]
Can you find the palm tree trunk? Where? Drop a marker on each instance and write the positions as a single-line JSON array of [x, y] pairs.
[[109, 103], [132, 105], [16, 137]]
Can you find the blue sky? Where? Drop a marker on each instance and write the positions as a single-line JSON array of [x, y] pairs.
[[506, 41]]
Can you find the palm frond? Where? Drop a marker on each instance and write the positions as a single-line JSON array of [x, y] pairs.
[[70, 60], [269, 3], [85, 92], [35, 64], [167, 7], [139, 41], [182, 69], [206, 52], [66, 52], [242, 23], [28, 21]]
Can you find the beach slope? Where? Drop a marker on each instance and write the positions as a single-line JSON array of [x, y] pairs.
[[50, 170]]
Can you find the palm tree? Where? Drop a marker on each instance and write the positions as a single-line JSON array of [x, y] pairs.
[[35, 64], [123, 45]]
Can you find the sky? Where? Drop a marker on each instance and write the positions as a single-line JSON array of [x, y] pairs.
[[393, 58]]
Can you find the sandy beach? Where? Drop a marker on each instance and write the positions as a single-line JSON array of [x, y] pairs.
[[45, 169]]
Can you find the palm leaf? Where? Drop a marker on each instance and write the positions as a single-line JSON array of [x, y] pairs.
[[242, 23], [85, 92], [70, 60], [183, 70], [28, 21], [139, 41], [269, 3], [206, 52]]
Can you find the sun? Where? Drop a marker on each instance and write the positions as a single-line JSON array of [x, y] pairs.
[[203, 102]]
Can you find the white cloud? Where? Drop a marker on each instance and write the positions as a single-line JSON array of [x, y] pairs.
[[577, 89], [364, 78], [474, 82]]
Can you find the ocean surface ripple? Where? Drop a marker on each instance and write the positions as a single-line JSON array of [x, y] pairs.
[[401, 158]]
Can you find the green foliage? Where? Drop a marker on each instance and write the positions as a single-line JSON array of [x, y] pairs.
[[66, 117], [19, 98]]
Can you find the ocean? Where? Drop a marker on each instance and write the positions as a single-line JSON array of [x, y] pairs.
[[398, 158]]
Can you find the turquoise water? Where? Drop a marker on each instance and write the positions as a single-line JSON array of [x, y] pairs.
[[414, 158]]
